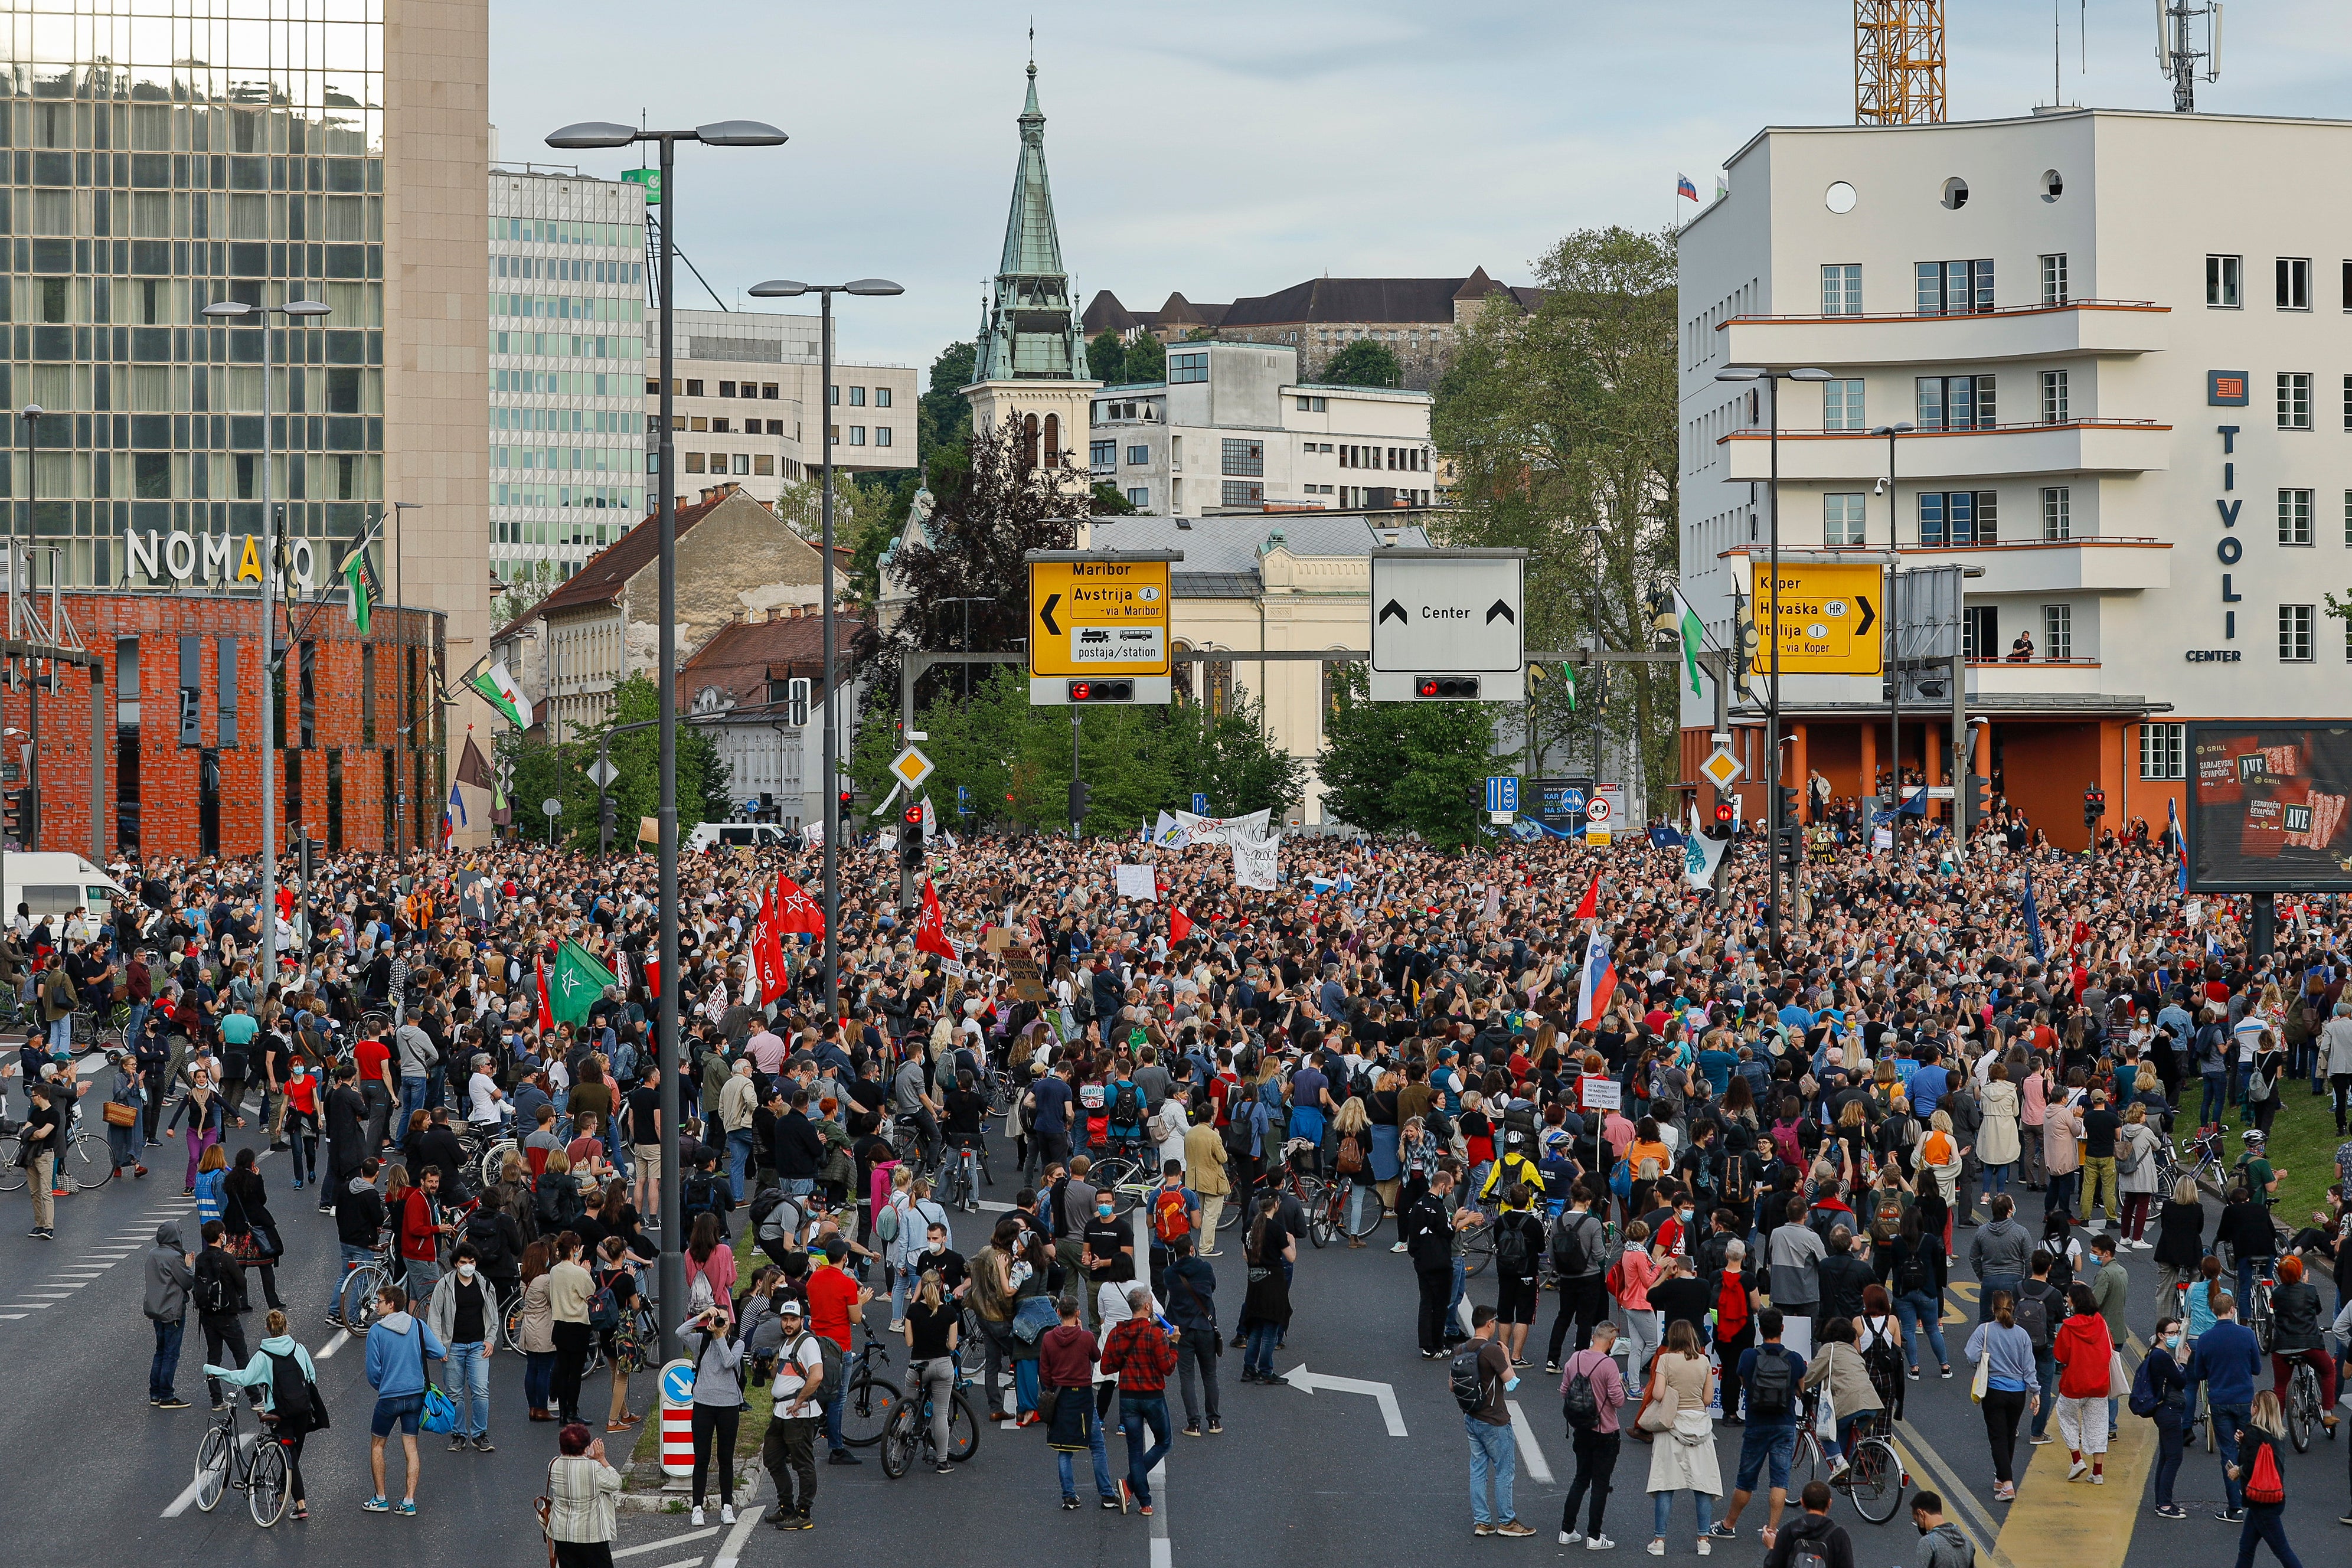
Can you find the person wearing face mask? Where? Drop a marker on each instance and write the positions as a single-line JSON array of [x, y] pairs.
[[1106, 1253], [301, 1089], [462, 1315], [2160, 1392]]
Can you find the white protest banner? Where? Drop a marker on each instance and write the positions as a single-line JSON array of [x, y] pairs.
[[1255, 862], [1189, 829], [1136, 882]]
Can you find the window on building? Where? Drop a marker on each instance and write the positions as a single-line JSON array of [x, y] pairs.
[[881, 397], [857, 397], [225, 684], [694, 462], [1139, 496], [1239, 492], [1842, 289], [1953, 288], [1957, 519], [1138, 456], [367, 694], [857, 435], [2164, 752], [126, 742], [1245, 457], [741, 463], [833, 396], [2222, 282], [389, 796], [1102, 454], [294, 816], [208, 781], [726, 389], [768, 391], [694, 389], [721, 426], [335, 800], [1955, 403], [2294, 634], [2058, 633], [1842, 406], [765, 464], [1183, 368], [2295, 400], [2291, 282], [1980, 632], [2054, 279], [2053, 398], [881, 435], [2294, 517], [2057, 512], [192, 721], [1843, 518]]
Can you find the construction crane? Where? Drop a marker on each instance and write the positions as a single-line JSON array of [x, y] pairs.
[[1898, 62]]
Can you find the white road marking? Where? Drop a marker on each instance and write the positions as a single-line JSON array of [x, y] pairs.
[[181, 1504], [1384, 1394], [1531, 1454], [338, 1342], [730, 1550], [668, 1542], [10, 1317]]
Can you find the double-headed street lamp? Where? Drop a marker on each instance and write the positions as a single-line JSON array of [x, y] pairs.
[[1774, 378], [784, 288], [294, 311], [719, 133]]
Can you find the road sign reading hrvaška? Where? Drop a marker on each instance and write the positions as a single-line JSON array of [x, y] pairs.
[[1828, 617]]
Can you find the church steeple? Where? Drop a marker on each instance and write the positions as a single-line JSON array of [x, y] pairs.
[[1032, 333]]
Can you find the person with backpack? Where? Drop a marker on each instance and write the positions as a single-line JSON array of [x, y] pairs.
[[1191, 1294], [1173, 1215], [398, 1345], [1915, 1268], [2009, 1383], [1519, 1253], [1941, 1545], [292, 1408], [1579, 1261], [1592, 1394], [1769, 1374], [2160, 1393], [1997, 1253], [1478, 1377], [2040, 1308], [2259, 1474], [1813, 1539]]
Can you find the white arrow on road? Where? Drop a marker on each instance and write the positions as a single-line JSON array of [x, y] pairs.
[[1300, 1378]]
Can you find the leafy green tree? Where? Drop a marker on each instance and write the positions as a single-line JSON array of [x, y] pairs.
[[944, 420], [1108, 502], [542, 771], [1392, 766], [1106, 356], [1562, 426], [1147, 360], [1363, 363]]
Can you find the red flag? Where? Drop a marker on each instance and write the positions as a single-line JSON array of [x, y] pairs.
[[931, 933], [796, 912], [546, 1014], [768, 951], [1180, 925], [652, 977], [1590, 908]]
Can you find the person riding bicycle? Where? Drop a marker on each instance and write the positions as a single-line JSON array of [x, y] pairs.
[[2296, 1313], [965, 1108]]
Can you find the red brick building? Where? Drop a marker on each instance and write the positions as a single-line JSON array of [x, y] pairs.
[[170, 729]]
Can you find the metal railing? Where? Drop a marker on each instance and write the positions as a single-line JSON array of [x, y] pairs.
[[2041, 308]]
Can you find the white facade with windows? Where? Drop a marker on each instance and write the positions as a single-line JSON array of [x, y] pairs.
[[2126, 349], [1233, 429]]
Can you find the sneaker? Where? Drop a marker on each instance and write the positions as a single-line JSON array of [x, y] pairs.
[[1703, 1549], [1274, 1380], [482, 1445], [173, 1403], [843, 1457], [407, 1509], [698, 1517], [1114, 1502], [1570, 1537], [1946, 1375], [375, 1505], [1551, 1369], [2231, 1515], [1481, 1527], [1723, 1531], [2004, 1491], [802, 1521], [726, 1513], [1126, 1497], [2038, 1438], [1912, 1372], [459, 1444], [2340, 1519], [945, 1468], [1656, 1549], [1215, 1427], [2098, 1477], [1599, 1543], [1838, 1467], [297, 1184], [1193, 1430], [2174, 1511], [1145, 1510], [1400, 1246], [2077, 1471], [1513, 1527]]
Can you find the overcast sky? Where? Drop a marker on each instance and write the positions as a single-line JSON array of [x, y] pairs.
[[1235, 147]]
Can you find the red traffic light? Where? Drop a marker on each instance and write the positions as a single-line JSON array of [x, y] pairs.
[[1725, 811], [1448, 688], [1428, 688], [913, 816], [1080, 691]]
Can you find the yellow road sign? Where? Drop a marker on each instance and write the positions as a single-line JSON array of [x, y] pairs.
[[1828, 618], [1098, 618]]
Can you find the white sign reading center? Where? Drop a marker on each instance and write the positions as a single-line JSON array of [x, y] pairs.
[[1440, 613]]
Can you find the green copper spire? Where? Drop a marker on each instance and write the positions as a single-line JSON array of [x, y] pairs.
[[1031, 332]]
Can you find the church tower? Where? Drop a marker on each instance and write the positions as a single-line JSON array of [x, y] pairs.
[[1031, 367]]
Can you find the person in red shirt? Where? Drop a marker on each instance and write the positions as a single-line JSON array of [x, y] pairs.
[[1140, 1351], [2082, 1350], [833, 1296], [374, 1058]]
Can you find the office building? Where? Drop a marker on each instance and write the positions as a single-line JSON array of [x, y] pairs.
[[567, 322], [2112, 331]]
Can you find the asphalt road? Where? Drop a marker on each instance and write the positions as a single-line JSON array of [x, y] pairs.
[[1299, 1476]]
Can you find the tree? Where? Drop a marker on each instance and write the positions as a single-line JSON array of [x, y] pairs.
[[861, 520], [1147, 360], [1562, 426], [537, 580], [1364, 363], [1392, 766], [1108, 502], [705, 782], [1106, 356], [943, 422]]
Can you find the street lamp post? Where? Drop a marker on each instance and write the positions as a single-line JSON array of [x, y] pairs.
[[719, 133], [1774, 378], [31, 416], [784, 289], [1893, 642], [294, 311]]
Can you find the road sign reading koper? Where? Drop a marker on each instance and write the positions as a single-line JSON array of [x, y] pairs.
[[1828, 618]]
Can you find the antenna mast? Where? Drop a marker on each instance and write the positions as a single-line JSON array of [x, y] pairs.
[[1898, 62], [2176, 55]]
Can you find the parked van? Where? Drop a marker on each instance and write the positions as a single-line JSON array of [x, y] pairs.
[[57, 883], [750, 834]]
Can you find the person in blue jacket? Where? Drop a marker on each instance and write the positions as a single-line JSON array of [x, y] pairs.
[[398, 1345], [2228, 1361]]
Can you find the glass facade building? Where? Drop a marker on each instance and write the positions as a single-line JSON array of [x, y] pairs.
[[156, 155]]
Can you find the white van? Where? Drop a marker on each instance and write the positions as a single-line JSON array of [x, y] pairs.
[[57, 883], [750, 834]]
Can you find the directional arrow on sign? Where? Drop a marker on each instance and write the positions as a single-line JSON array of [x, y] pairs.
[[1300, 1378], [1869, 615], [1391, 608], [1045, 612], [1500, 608]]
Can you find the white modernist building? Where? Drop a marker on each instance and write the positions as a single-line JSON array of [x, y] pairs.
[[2125, 340]]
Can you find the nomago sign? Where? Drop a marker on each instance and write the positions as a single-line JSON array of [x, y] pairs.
[[1828, 618]]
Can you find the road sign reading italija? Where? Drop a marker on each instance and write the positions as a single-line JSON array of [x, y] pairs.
[[1105, 618], [1828, 618]]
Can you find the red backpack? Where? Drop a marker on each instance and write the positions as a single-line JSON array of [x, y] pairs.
[[2263, 1482], [1170, 1220]]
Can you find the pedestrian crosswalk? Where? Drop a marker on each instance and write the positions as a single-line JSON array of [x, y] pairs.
[[118, 1247]]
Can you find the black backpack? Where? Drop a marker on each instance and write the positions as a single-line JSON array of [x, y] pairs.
[[1577, 1403], [1771, 1385], [489, 1242], [215, 1295], [1465, 1380], [1513, 1256], [1126, 1107], [294, 1398], [1912, 1276], [1570, 1259], [2031, 1312], [1809, 1552]]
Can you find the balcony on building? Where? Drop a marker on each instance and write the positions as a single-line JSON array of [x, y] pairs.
[[2017, 450], [2072, 329], [2030, 564]]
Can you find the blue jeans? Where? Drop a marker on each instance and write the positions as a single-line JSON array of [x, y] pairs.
[[539, 1379], [2228, 1421], [353, 1258], [139, 1011], [1094, 1446], [1919, 1313], [796, 1186], [1494, 1451], [739, 1159], [1137, 1414], [61, 1037], [2246, 1267], [165, 1369], [1454, 1303], [1258, 1354], [2215, 1099], [1024, 1386], [2061, 1192], [468, 1370], [1764, 1455], [1661, 1509], [1996, 1179], [411, 1101], [2045, 1366]]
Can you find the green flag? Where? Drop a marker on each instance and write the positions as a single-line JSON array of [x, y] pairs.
[[359, 580], [575, 982], [499, 688], [1694, 634]]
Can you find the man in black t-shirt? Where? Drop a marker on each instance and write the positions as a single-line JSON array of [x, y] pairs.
[[2100, 1125], [644, 1104], [44, 1136]]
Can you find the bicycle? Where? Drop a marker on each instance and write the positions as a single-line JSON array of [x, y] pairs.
[[225, 1460], [909, 1424], [868, 1402], [2258, 1303], [1331, 1217], [86, 1165], [958, 1188], [2304, 1410], [355, 1297], [92, 1030]]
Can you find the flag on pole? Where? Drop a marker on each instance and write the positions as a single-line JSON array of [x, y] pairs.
[[497, 686], [1596, 982], [2034, 923], [797, 914], [931, 933], [1590, 907], [1722, 187], [1684, 187], [472, 769], [577, 985], [546, 1017], [1694, 632], [1180, 925], [2178, 840], [359, 584]]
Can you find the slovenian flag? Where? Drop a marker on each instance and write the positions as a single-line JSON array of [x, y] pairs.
[[1683, 187], [2032, 917], [1597, 982], [2179, 841]]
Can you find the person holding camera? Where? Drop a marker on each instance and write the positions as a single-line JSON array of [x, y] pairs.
[[718, 1404]]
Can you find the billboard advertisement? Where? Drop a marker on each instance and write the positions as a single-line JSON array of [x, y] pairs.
[[1558, 804], [2270, 807]]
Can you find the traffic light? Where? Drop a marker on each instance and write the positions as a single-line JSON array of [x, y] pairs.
[[796, 700], [847, 798], [2095, 805], [1789, 841], [1102, 690], [309, 853], [1744, 647], [1447, 688], [910, 837], [16, 824], [1080, 791], [608, 818], [1976, 802], [1726, 817]]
